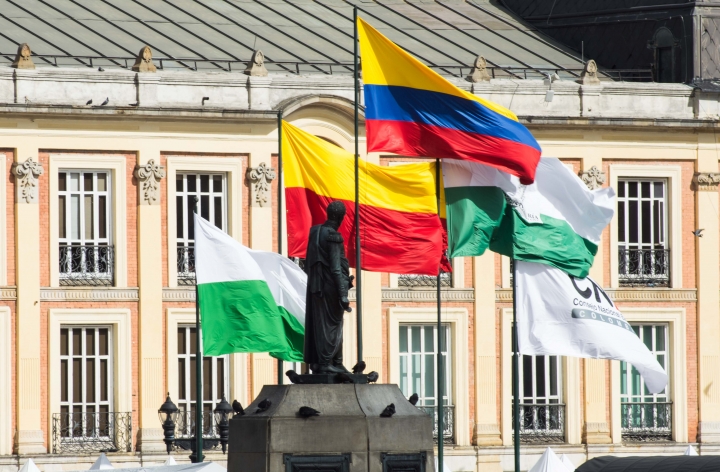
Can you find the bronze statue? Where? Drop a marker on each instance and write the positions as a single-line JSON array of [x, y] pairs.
[[326, 302]]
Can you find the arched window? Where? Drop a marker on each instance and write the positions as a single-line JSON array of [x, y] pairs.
[[664, 44]]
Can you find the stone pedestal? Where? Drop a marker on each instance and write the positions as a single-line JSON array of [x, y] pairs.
[[349, 433]]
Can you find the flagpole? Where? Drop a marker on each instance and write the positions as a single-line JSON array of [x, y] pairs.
[[516, 374], [198, 454], [358, 265], [280, 216], [439, 337]]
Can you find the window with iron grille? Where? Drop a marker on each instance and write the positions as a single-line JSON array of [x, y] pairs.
[[211, 192], [643, 252], [418, 372], [215, 372], [86, 253], [542, 412], [646, 416]]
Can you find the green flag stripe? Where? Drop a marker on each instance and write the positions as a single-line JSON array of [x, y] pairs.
[[473, 214]]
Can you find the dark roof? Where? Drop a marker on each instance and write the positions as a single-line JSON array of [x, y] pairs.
[[652, 464], [295, 35]]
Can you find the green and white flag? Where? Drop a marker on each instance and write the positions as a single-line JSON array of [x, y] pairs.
[[250, 301], [555, 221]]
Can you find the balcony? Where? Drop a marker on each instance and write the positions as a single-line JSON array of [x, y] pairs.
[[644, 267], [185, 431], [448, 422], [542, 423], [86, 265], [186, 265], [646, 422], [90, 432], [419, 281]]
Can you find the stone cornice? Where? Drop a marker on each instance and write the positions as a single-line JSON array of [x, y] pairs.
[[504, 295], [86, 294], [8, 293], [423, 295], [179, 294]]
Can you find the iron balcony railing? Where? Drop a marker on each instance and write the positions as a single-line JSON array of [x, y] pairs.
[[646, 422], [542, 423], [90, 432], [644, 267], [448, 422], [186, 265], [185, 431], [415, 281], [86, 265]]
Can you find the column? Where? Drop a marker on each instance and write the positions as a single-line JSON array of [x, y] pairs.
[[708, 273], [260, 176], [27, 170], [148, 173]]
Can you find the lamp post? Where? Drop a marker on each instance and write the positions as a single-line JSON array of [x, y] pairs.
[[168, 414], [223, 412]]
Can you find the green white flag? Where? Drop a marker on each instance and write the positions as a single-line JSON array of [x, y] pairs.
[[250, 301], [555, 221]]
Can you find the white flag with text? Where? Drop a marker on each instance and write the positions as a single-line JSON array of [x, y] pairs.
[[558, 314]]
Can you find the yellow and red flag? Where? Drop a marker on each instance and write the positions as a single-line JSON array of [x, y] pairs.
[[400, 230]]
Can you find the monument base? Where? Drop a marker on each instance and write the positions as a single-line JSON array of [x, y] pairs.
[[349, 435], [312, 379]]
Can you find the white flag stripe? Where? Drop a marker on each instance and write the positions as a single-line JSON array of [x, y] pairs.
[[287, 281], [560, 315]]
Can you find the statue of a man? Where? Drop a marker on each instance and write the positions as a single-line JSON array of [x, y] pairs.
[[329, 280]]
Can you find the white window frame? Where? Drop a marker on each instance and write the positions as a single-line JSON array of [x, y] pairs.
[[548, 398], [673, 202], [663, 396], [447, 388]]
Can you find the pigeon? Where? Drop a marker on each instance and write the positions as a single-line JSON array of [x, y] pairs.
[[107, 100], [373, 377], [294, 377], [413, 399], [388, 411], [89, 102], [263, 406], [237, 408], [100, 69], [345, 378], [359, 367], [698, 232], [307, 412]]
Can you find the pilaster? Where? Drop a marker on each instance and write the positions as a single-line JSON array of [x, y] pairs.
[[148, 173], [706, 182], [27, 170], [487, 430]]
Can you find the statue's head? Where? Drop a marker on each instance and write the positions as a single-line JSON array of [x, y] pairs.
[[336, 212]]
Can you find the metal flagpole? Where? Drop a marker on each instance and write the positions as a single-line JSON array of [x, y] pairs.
[[358, 271], [280, 215], [516, 374], [198, 453], [439, 338]]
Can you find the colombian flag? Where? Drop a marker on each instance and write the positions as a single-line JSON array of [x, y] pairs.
[[400, 231], [411, 110]]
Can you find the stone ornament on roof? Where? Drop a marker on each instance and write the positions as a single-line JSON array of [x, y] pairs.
[[706, 180], [256, 66], [23, 59], [26, 179], [260, 179], [149, 176], [143, 61], [479, 71], [594, 178], [589, 74]]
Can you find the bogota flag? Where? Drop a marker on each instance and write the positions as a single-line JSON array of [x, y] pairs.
[[412, 111], [400, 231]]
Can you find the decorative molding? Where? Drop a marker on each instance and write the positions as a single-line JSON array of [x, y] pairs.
[[27, 174], [23, 59], [260, 179], [149, 176], [706, 180], [8, 293], [504, 295], [179, 294], [143, 61], [405, 295], [479, 71], [86, 294], [256, 65], [589, 74], [594, 178]]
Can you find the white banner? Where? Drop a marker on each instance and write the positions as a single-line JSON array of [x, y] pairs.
[[560, 315]]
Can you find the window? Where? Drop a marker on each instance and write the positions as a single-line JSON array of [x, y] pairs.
[[215, 371], [86, 255], [210, 192], [643, 253], [86, 421], [646, 416], [418, 373], [541, 409]]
